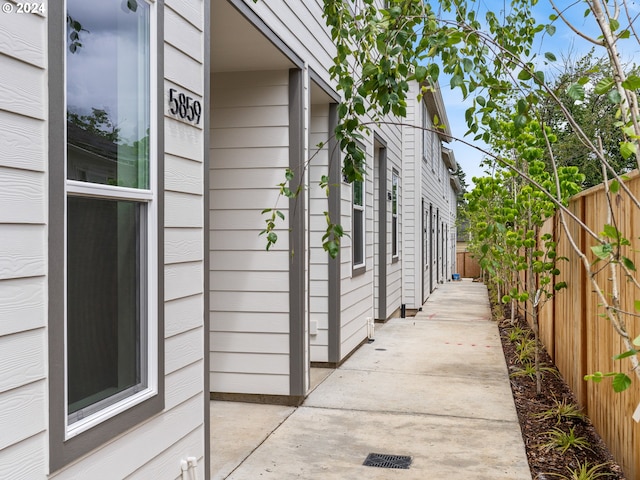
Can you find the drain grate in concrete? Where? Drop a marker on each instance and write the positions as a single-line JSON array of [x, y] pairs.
[[387, 461]]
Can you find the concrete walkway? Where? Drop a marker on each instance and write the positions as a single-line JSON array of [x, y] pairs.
[[433, 387]]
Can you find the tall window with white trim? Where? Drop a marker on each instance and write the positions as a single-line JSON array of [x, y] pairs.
[[111, 210]]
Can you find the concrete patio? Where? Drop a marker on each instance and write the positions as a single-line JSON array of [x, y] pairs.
[[433, 387]]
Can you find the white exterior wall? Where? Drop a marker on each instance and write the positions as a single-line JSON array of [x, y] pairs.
[[301, 27], [411, 208], [428, 180], [433, 188], [249, 310], [318, 258], [154, 448], [393, 136], [23, 237], [357, 295]]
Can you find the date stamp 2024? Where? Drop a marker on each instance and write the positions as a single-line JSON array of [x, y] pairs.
[[8, 7]]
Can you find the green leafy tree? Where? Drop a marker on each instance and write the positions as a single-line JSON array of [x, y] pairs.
[[510, 236], [594, 112]]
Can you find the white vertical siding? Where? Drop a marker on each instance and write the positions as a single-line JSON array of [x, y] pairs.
[[155, 448], [23, 247], [249, 285]]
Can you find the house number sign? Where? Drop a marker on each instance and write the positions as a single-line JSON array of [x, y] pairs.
[[184, 107]]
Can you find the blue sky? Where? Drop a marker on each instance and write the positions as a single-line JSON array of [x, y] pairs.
[[564, 43]]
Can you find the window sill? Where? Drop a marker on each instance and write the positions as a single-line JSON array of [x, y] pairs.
[[359, 270]]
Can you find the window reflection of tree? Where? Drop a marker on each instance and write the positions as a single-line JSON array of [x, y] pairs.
[[96, 152]]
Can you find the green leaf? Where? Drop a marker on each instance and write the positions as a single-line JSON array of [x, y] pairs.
[[288, 174], [551, 29], [559, 286], [481, 100], [627, 149], [576, 92], [133, 5], [596, 377], [550, 56], [602, 251], [524, 75], [467, 64], [603, 86], [421, 73], [628, 263], [522, 106], [614, 187], [636, 341], [632, 82], [614, 24], [457, 81], [636, 305], [520, 121], [628, 353], [614, 96], [611, 232], [280, 214], [621, 382], [332, 248]]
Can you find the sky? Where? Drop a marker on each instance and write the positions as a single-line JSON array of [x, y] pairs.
[[104, 72], [564, 43]]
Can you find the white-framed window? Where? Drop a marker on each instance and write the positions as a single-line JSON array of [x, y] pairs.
[[395, 193], [358, 225], [111, 218]]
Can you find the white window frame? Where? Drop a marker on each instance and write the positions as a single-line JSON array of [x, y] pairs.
[[149, 197], [395, 217], [362, 209]]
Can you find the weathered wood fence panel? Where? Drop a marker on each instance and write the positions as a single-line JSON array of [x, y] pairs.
[[580, 340]]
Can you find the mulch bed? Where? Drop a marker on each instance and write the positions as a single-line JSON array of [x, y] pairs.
[[548, 462]]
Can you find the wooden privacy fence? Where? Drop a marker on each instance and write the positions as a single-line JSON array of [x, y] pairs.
[[582, 342], [466, 265]]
